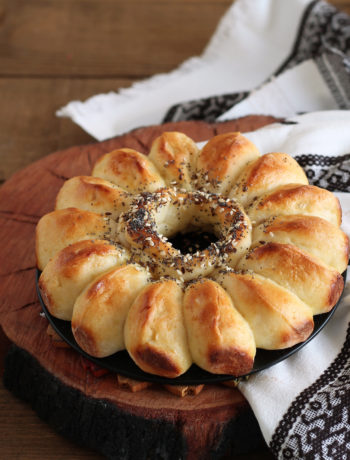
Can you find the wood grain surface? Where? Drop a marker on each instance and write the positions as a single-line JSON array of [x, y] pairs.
[[53, 51]]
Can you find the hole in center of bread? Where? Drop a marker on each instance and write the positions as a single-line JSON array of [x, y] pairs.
[[192, 241]]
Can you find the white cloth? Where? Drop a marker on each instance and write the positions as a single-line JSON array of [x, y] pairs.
[[300, 89], [271, 392], [236, 59]]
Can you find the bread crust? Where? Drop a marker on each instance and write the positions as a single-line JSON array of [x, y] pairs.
[[154, 332], [130, 170], [315, 283], [222, 159], [93, 194], [100, 311], [57, 229], [71, 269], [312, 234], [175, 156], [277, 317], [307, 200], [265, 174], [220, 339]]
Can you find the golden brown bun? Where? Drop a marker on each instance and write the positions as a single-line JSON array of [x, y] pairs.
[[220, 340], [60, 228], [100, 311], [266, 174], [311, 234], [129, 169], [155, 335], [278, 318], [307, 200], [93, 194], [316, 284], [175, 155], [221, 161], [72, 269]]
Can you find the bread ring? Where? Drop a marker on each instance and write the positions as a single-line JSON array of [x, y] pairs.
[[275, 263], [170, 211]]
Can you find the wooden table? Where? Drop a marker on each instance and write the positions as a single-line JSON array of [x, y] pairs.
[[50, 53]]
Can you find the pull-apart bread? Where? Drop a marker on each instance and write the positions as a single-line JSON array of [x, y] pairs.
[[110, 265]]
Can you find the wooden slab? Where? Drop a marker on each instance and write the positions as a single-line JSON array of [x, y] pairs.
[[54, 380]]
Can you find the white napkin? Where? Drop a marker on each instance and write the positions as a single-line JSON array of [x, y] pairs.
[[300, 89], [251, 41], [299, 417]]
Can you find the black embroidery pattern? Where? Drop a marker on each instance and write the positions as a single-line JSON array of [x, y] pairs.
[[331, 173], [208, 109], [335, 70], [317, 424], [323, 29]]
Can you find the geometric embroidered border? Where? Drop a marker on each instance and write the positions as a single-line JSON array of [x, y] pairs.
[[329, 172], [317, 424]]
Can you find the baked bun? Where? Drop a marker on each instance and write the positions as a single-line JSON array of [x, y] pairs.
[[277, 317], [71, 269], [292, 199], [116, 258], [315, 283], [175, 155], [155, 334], [220, 339], [93, 194], [100, 311], [221, 161], [130, 170], [265, 174], [312, 234], [58, 229]]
